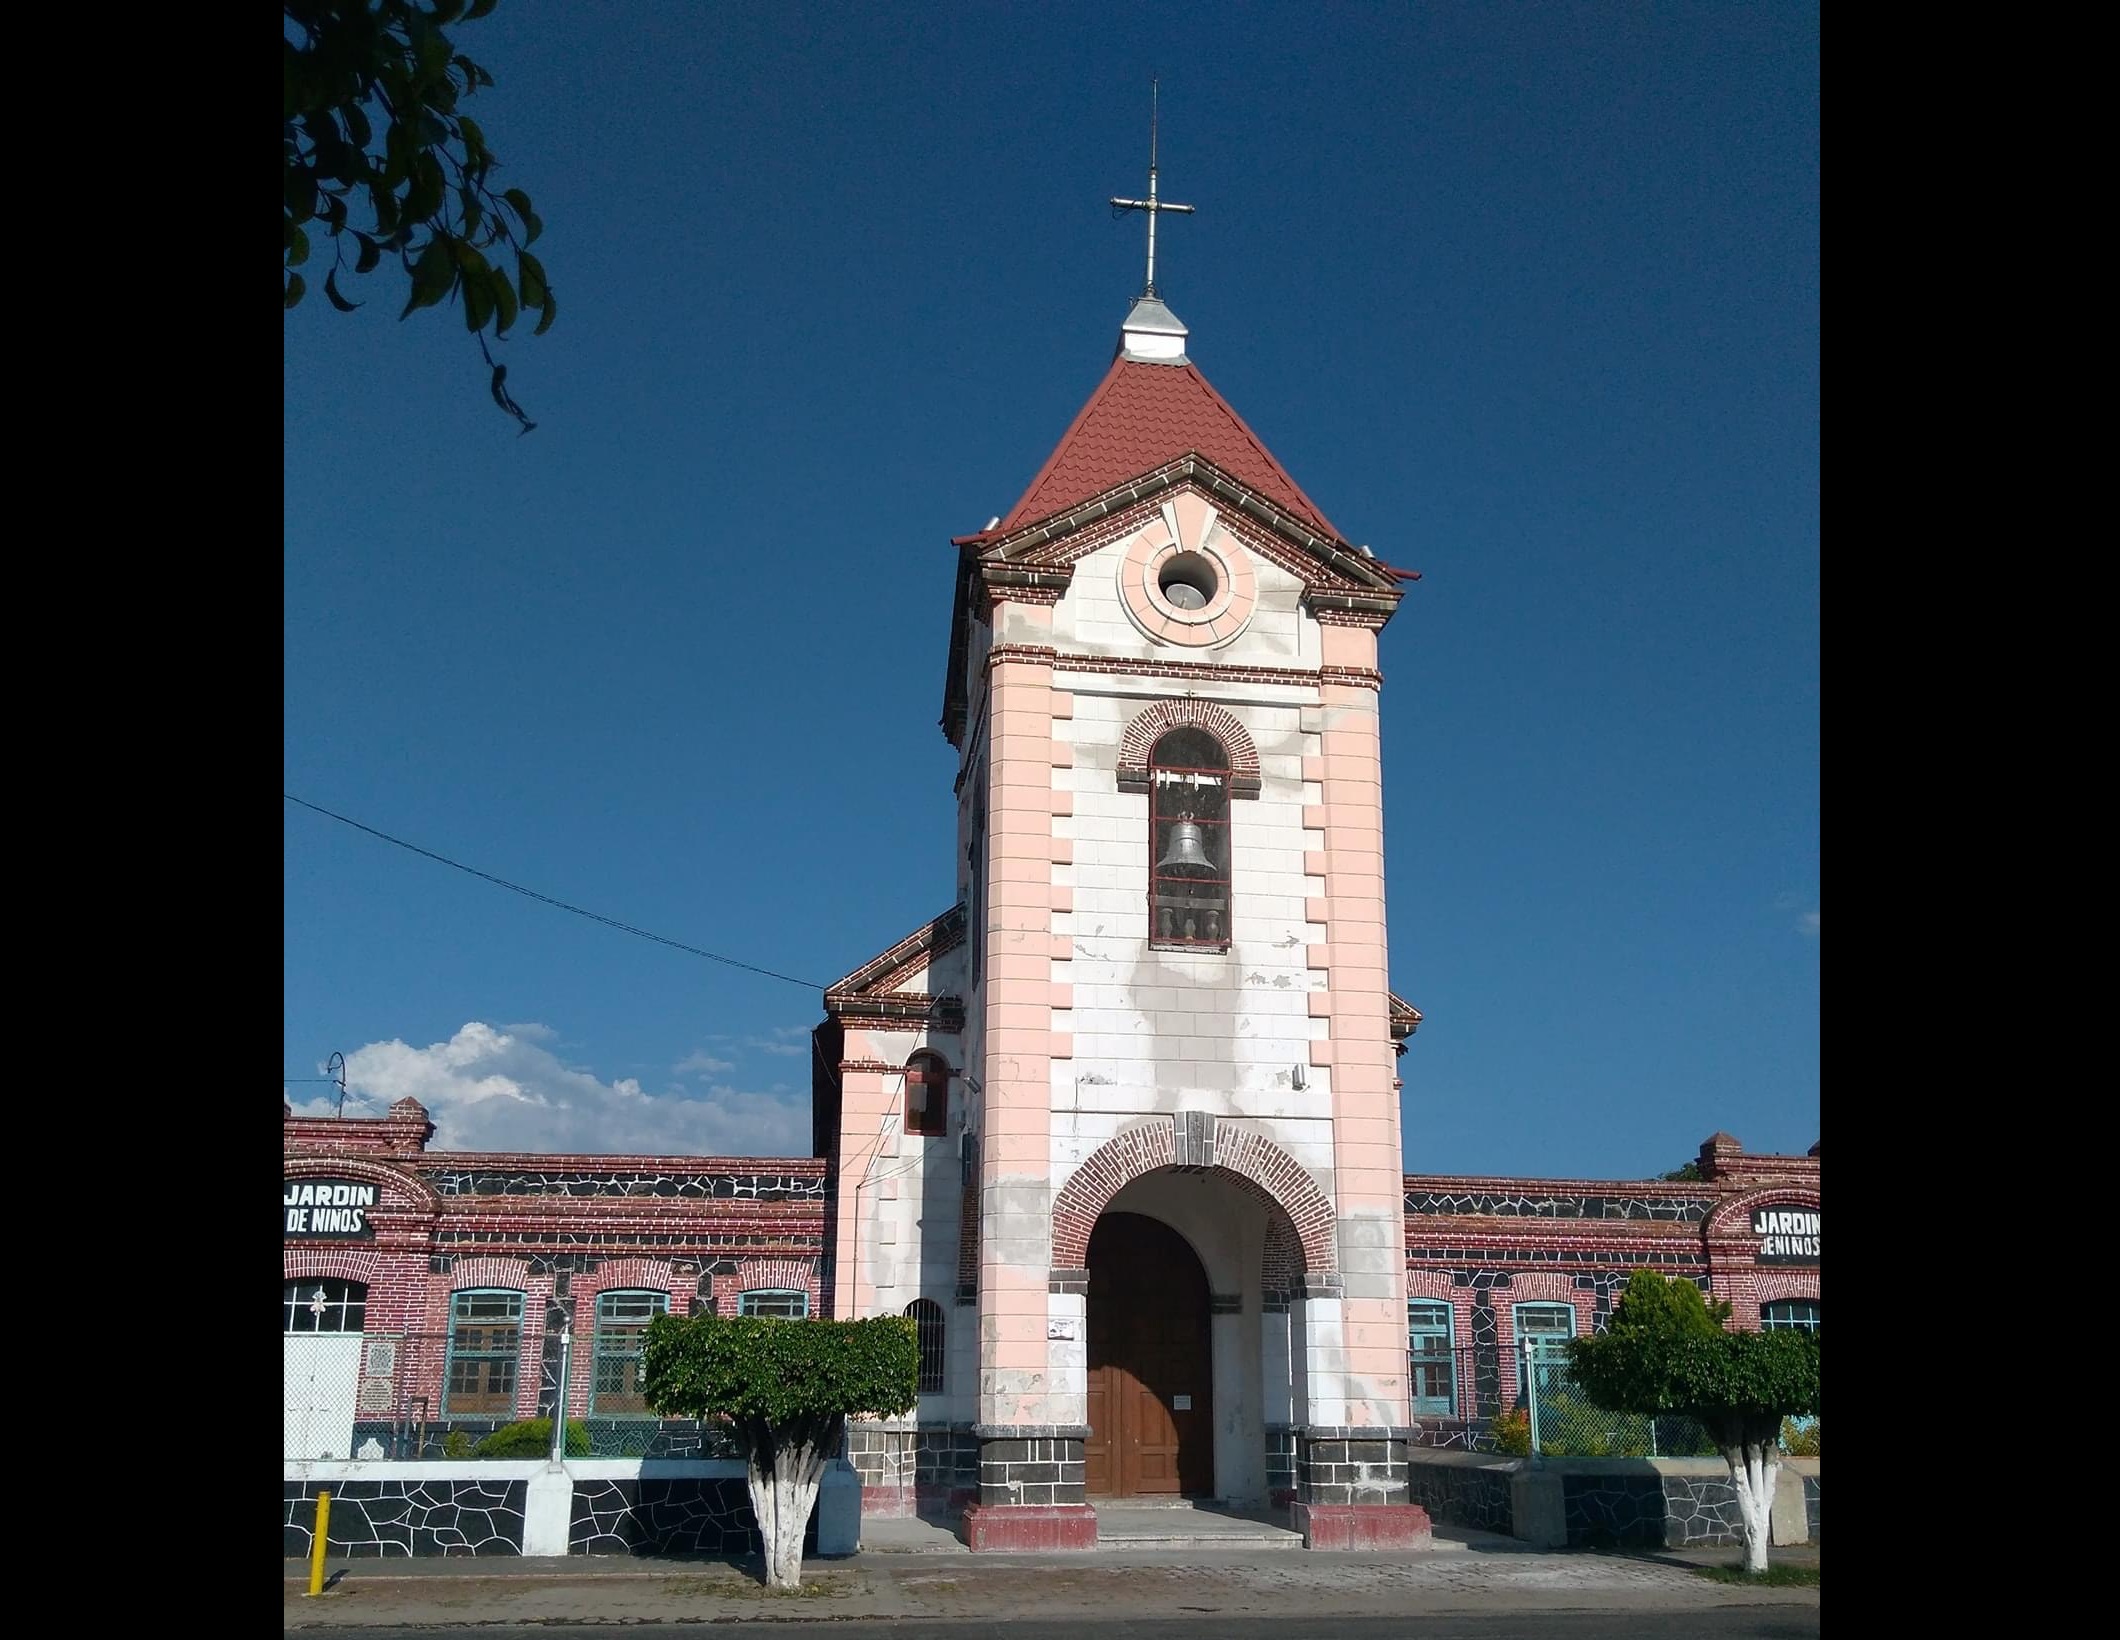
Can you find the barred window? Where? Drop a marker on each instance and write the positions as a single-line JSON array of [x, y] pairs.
[[927, 1315], [324, 1304], [1188, 841], [485, 1343], [621, 1329], [1432, 1349], [927, 1095], [1790, 1315], [778, 1303]]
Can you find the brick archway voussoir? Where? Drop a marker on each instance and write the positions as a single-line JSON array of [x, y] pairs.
[[1245, 1155]]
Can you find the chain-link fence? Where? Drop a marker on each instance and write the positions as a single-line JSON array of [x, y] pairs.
[[1563, 1423], [1523, 1402], [464, 1395]]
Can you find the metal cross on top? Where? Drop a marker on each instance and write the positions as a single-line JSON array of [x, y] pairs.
[[1150, 206]]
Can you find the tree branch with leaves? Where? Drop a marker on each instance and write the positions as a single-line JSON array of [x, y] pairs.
[[786, 1390], [377, 152], [1666, 1350]]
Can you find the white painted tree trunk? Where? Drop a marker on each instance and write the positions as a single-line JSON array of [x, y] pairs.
[[1755, 1469], [782, 1497]]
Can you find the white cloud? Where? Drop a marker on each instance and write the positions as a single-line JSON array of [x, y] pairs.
[[703, 1063], [789, 1040], [1808, 922], [493, 1088], [532, 1032]]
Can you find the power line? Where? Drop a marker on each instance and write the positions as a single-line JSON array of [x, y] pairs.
[[547, 899]]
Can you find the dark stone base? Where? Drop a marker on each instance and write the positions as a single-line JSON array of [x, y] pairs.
[[477, 1517], [1460, 1495], [1363, 1526], [668, 1517], [1032, 1529], [1032, 1471], [1352, 1468]]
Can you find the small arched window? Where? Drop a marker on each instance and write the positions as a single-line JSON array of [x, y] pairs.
[[323, 1304], [927, 1315], [621, 1332], [1188, 841], [927, 1094], [485, 1347], [1432, 1346]]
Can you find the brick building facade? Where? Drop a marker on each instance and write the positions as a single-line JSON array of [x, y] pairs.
[[429, 1292], [1120, 1128]]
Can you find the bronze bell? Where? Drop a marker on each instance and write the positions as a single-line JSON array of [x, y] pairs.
[[1188, 850]]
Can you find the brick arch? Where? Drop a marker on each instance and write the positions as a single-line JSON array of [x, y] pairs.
[[1734, 1217], [420, 1195], [629, 1275], [1149, 726], [330, 1263], [491, 1274], [1244, 1156]]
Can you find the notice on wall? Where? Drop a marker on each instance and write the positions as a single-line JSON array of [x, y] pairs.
[[1181, 1403], [327, 1209], [1787, 1235]]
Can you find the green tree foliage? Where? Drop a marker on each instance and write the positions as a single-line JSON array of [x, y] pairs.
[[532, 1438], [1650, 1306], [1512, 1433], [1666, 1351], [378, 153], [786, 1390]]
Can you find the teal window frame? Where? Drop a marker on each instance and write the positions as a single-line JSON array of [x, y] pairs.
[[1788, 1322], [484, 1333], [616, 1358], [1551, 1306], [1431, 1349], [776, 1309]]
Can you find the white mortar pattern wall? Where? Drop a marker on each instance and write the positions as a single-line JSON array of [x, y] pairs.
[[1091, 620], [1227, 1032], [911, 1192]]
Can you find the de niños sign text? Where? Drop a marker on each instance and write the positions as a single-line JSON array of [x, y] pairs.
[[334, 1208]]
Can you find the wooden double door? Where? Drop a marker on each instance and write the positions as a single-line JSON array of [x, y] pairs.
[[1151, 1364]]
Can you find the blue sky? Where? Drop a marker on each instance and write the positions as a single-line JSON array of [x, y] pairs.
[[1525, 297]]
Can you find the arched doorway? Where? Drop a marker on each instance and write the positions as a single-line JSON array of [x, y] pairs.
[[1151, 1363]]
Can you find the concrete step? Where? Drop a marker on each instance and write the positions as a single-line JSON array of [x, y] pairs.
[[1184, 1524]]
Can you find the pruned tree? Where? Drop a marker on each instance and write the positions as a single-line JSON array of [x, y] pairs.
[[786, 1390], [1667, 1351], [377, 150]]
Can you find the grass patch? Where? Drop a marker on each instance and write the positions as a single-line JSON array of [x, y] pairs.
[[1774, 1577], [736, 1586]]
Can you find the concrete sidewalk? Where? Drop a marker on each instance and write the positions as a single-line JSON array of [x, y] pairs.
[[923, 1580]]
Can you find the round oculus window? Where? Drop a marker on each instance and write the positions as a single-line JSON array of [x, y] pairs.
[[1189, 581]]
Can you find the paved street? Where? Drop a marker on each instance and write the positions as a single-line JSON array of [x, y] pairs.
[[1188, 1595], [1724, 1623]]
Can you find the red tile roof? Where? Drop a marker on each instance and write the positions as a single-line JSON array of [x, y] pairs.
[[1141, 416]]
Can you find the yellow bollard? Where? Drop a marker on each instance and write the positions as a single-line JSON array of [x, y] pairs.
[[316, 1551]]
